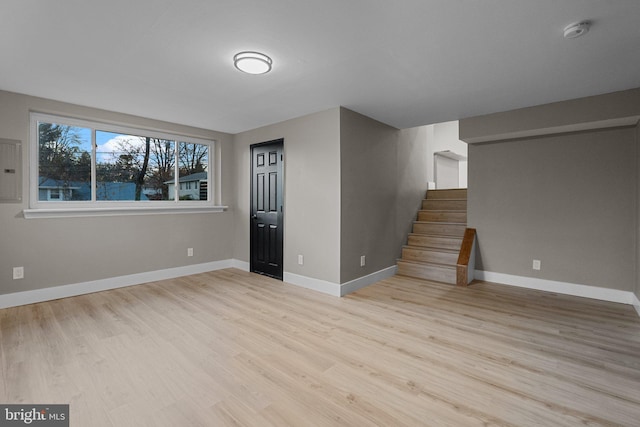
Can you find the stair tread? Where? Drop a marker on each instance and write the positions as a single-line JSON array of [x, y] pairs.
[[432, 249], [429, 263], [446, 194], [444, 200], [437, 236], [429, 241], [448, 234], [441, 223]]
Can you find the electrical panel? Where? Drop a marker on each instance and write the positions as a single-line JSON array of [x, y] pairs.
[[10, 170]]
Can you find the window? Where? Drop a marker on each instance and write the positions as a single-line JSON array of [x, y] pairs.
[[84, 164]]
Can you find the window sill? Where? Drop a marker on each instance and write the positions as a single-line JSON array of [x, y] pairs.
[[118, 211]]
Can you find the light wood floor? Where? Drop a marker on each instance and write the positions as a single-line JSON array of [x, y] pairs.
[[232, 348]]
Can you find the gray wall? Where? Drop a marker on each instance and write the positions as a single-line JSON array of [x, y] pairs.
[[352, 187], [369, 162], [558, 183], [412, 168], [312, 192], [567, 200], [74, 250], [593, 112]]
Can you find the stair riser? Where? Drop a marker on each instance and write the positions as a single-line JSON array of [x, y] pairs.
[[434, 242], [430, 272], [439, 229], [411, 254], [444, 205], [435, 216], [447, 194]]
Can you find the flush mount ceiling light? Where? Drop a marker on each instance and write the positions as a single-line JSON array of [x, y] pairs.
[[252, 62], [576, 30]]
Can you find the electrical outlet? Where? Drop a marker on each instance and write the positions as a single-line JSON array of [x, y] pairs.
[[189, 251], [536, 264], [363, 261], [18, 273], [300, 260]]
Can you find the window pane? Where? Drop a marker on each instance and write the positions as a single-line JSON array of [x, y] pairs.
[[131, 167], [193, 166], [64, 170]]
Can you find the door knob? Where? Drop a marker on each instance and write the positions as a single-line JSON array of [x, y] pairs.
[[254, 216]]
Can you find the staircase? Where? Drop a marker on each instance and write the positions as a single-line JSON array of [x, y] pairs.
[[434, 244]]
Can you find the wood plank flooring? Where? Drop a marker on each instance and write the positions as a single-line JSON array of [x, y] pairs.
[[230, 348]]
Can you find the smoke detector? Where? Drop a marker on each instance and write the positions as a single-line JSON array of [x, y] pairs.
[[576, 30]]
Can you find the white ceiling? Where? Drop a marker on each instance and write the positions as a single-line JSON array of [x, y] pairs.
[[404, 62]]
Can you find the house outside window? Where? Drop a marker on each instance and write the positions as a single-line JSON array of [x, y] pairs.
[[190, 186]]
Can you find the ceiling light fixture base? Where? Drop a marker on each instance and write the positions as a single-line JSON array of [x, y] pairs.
[[252, 62], [576, 30]]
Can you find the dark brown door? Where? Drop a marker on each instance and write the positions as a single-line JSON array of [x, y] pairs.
[[267, 208]]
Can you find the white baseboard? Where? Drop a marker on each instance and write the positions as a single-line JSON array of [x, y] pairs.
[[636, 303], [361, 282], [594, 292], [64, 291], [240, 265], [313, 284], [335, 289]]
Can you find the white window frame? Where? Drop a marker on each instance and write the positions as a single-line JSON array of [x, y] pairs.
[[51, 208]]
